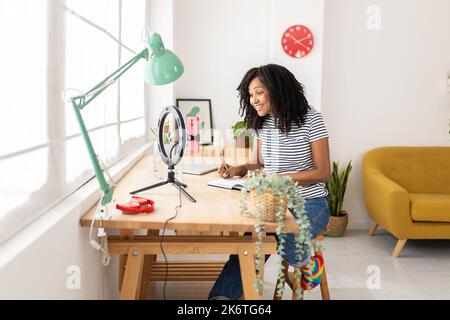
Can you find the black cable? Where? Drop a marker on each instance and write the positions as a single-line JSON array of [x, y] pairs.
[[171, 149], [161, 246]]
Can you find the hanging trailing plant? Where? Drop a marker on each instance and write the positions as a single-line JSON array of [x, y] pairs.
[[270, 196]]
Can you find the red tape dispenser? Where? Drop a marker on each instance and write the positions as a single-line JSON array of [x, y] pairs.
[[137, 205]]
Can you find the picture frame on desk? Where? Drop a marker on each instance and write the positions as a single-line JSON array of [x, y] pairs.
[[202, 109]]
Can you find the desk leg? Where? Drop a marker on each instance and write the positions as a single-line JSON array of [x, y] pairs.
[[147, 269], [146, 274], [132, 274], [248, 273], [125, 234]]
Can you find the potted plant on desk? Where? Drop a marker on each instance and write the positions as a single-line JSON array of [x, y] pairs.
[[270, 196], [336, 187], [242, 137]]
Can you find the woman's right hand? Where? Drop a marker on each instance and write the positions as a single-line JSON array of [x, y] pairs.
[[230, 171]]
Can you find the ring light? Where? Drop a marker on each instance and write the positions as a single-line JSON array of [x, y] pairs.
[[177, 143], [167, 157]]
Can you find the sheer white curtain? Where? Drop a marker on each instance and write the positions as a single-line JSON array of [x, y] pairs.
[[132, 84], [45, 49]]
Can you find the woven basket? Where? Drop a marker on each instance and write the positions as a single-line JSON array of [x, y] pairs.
[[271, 204]]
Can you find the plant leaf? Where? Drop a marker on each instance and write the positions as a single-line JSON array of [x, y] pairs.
[[336, 187]]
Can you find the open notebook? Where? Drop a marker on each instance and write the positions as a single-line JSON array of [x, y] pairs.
[[237, 184]]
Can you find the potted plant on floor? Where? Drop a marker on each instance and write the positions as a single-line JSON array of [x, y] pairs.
[[336, 187], [268, 199]]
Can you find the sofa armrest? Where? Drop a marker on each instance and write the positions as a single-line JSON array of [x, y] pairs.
[[387, 203]]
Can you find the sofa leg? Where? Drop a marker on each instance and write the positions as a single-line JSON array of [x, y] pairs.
[[398, 247], [372, 229]]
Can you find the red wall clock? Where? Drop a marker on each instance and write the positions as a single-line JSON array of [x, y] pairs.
[[297, 41]]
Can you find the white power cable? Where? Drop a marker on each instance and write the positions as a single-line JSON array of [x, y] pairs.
[[101, 234], [100, 214], [105, 169]]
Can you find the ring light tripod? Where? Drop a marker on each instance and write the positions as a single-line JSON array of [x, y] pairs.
[[168, 159]]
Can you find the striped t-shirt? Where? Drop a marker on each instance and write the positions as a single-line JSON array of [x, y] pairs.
[[291, 152]]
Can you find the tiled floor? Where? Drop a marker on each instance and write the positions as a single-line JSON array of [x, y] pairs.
[[354, 263]]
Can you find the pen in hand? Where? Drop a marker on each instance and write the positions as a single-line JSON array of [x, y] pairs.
[[225, 166]]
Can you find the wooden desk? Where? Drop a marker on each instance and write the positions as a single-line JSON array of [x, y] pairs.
[[216, 211]]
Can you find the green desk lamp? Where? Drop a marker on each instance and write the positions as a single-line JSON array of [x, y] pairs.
[[162, 67]]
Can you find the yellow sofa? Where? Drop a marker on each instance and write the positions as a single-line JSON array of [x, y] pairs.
[[407, 192]]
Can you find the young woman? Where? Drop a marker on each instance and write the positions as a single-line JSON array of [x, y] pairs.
[[291, 139]]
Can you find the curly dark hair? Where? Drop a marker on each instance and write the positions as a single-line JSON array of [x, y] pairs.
[[287, 99]]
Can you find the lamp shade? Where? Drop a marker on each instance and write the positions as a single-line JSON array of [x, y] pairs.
[[163, 66]]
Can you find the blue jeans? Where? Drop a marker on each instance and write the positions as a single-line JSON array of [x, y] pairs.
[[229, 286]]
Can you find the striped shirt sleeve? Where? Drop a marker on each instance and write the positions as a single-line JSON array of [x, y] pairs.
[[317, 129]]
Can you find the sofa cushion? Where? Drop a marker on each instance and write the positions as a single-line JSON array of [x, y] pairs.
[[430, 207]]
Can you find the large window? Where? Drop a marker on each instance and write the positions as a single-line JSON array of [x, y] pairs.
[[47, 46]]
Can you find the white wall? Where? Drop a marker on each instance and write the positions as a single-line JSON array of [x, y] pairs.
[[218, 41], [384, 87], [36, 263], [308, 70], [40, 271]]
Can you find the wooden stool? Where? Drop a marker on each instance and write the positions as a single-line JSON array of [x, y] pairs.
[[293, 283]]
